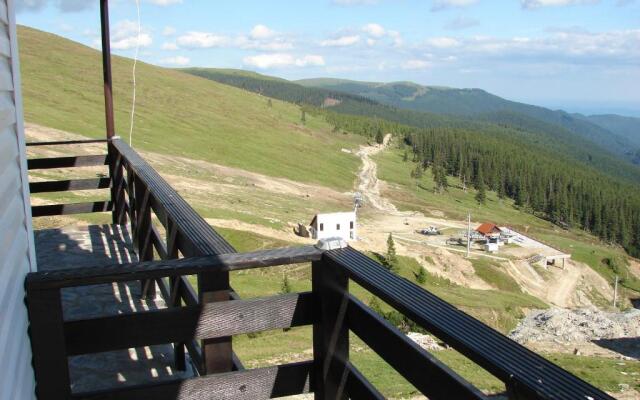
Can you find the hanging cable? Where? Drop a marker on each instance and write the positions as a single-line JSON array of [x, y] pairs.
[[135, 62]]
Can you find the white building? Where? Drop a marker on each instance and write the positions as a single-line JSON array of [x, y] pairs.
[[17, 255], [332, 225]]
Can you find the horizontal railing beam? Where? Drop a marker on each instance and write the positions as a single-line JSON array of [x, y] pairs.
[[67, 162], [428, 374], [66, 142], [256, 384], [525, 373], [358, 387], [165, 268], [183, 324], [71, 208], [69, 185]]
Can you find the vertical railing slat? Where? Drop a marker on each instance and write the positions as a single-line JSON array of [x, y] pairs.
[[330, 286]]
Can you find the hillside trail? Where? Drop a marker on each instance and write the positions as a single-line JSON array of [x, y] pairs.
[[368, 184]]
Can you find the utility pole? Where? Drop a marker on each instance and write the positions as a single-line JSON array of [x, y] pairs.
[[468, 235], [615, 292]]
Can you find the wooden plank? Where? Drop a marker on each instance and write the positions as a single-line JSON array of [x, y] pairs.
[[182, 324], [66, 142], [92, 275], [358, 387], [256, 384], [67, 162], [69, 185], [428, 374], [72, 208], [330, 288], [48, 344]]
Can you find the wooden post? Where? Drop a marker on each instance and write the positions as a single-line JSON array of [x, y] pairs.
[[330, 286], [217, 353], [106, 68], [46, 330], [116, 174]]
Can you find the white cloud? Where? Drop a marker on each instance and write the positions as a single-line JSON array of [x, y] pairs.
[[417, 64], [261, 32], [342, 41], [124, 36], [202, 40], [374, 30], [282, 60], [461, 22], [533, 4], [177, 60], [169, 46], [442, 42], [439, 5], [169, 31], [62, 5]]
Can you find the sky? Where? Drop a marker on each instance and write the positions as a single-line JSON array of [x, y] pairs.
[[578, 55]]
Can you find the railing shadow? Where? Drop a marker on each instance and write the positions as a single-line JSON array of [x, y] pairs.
[[99, 245], [629, 347]]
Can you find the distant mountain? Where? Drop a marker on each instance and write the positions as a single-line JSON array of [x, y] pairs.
[[627, 127], [480, 103]]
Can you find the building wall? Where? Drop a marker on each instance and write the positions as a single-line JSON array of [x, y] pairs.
[[16, 235], [330, 226]]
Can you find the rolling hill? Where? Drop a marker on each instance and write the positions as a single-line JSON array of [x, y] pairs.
[[477, 102], [180, 114], [532, 132]]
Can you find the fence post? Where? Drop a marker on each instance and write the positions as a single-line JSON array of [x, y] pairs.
[[116, 173], [217, 353], [46, 331], [330, 286]]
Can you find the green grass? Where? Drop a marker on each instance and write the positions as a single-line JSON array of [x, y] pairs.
[[491, 272], [180, 114]]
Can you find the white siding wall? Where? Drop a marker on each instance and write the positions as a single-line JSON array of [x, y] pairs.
[[16, 235]]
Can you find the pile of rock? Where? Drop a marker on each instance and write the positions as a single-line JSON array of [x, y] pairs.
[[578, 325], [427, 342]]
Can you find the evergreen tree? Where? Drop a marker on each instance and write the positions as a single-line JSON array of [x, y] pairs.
[[405, 156], [391, 257], [303, 117], [421, 276], [481, 195], [379, 136], [285, 287], [269, 103]]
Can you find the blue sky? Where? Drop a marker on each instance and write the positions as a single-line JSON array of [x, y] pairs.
[[580, 55]]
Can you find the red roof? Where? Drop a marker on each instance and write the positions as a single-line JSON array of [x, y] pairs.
[[488, 228]]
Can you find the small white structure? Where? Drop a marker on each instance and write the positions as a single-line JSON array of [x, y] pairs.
[[334, 225]]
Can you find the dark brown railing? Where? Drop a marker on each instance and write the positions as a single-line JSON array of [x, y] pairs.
[[213, 314]]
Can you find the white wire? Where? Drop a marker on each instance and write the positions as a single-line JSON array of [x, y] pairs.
[[135, 62]]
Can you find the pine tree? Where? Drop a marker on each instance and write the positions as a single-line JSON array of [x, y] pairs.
[[285, 287], [481, 195], [379, 136], [269, 103], [391, 258], [405, 156], [303, 117], [374, 305], [421, 276]]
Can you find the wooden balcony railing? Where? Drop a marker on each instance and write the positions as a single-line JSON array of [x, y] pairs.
[[213, 314]]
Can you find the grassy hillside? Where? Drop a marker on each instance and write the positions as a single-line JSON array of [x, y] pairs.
[[547, 134], [180, 114], [474, 102]]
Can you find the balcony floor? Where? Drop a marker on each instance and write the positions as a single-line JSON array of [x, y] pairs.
[[97, 245]]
